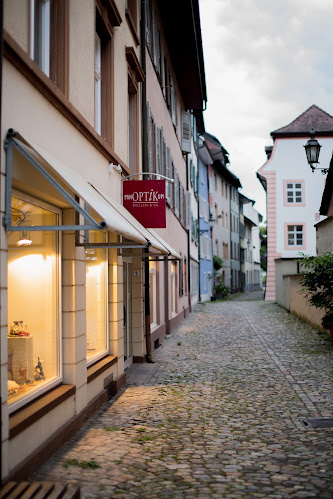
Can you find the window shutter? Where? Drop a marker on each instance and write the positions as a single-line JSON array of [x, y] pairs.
[[154, 37], [164, 169], [161, 166], [168, 173], [188, 210], [157, 148], [191, 172], [176, 201], [194, 122], [181, 203], [186, 132], [150, 139], [173, 101], [147, 24]]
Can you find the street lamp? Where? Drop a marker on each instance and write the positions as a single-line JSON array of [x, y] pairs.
[[312, 150], [211, 221]]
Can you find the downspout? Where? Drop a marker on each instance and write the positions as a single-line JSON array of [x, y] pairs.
[[231, 251], [188, 245], [199, 238], [1, 57], [145, 169]]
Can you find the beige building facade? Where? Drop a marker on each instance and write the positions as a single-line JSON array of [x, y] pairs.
[[72, 273]]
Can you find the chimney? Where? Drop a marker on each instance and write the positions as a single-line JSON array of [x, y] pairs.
[[268, 151]]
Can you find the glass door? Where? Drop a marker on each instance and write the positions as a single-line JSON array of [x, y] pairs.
[[127, 320]]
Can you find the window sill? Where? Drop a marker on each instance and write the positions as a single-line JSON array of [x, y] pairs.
[[100, 366], [25, 417]]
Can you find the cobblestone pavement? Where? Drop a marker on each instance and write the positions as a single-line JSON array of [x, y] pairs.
[[219, 416]]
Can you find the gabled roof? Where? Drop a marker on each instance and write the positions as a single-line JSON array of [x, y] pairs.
[[313, 118], [216, 149]]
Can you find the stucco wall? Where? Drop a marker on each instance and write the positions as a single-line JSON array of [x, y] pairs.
[[325, 235], [283, 269], [300, 306]]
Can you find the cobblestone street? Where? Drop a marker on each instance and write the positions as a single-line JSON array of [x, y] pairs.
[[219, 414]]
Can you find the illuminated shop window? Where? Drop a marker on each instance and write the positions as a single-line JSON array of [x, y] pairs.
[[96, 297], [33, 303]]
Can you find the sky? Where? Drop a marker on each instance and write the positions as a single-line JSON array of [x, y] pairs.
[[266, 62]]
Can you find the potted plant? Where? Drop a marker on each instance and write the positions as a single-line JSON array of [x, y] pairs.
[[317, 283]]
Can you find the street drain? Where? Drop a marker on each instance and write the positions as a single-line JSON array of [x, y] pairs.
[[313, 423]]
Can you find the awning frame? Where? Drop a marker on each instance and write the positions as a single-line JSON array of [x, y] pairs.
[[89, 224], [10, 142]]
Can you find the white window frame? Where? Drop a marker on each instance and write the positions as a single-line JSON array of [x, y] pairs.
[[291, 233], [294, 195], [44, 34]]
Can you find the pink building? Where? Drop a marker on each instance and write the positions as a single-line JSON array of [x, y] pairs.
[[293, 191]]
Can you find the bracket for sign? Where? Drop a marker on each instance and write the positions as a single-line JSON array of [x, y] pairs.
[[171, 180]]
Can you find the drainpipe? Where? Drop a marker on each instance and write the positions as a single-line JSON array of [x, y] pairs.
[[145, 168], [188, 245], [1, 58], [198, 178]]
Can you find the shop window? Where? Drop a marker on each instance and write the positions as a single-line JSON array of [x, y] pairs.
[[33, 302], [96, 298], [49, 39]]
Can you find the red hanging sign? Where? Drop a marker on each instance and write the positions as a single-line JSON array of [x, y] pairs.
[[145, 200]]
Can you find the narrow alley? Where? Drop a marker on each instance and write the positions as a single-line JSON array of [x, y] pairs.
[[223, 412]]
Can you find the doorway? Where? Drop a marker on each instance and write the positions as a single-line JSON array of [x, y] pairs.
[[128, 316]]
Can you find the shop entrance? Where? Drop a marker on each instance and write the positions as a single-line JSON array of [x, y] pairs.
[[128, 322]]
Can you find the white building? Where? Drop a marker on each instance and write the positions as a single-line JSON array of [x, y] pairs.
[[293, 191]]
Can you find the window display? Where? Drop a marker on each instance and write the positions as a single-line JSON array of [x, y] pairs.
[[33, 301], [96, 297]]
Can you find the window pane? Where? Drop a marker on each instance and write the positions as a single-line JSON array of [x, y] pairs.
[[96, 296], [298, 186], [289, 186], [33, 303]]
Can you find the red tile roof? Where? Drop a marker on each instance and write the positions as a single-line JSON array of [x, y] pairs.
[[313, 118]]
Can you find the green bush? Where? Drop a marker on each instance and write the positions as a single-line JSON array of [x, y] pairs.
[[217, 262], [317, 283], [220, 287]]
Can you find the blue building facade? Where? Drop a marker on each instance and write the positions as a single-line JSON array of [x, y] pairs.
[[205, 245]]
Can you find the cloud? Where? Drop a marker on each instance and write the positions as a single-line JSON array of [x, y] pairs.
[[266, 62]]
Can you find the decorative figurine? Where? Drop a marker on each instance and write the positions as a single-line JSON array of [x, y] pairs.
[[17, 329], [39, 373]]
